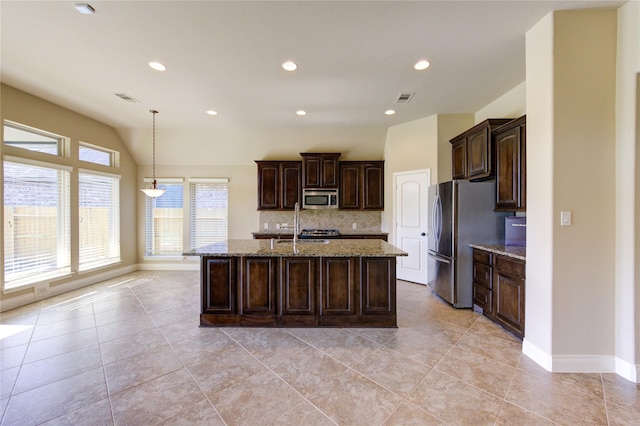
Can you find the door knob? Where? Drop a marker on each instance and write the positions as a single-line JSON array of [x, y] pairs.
[[423, 234]]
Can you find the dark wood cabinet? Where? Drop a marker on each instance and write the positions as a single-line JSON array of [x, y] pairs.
[[279, 184], [361, 185], [219, 297], [298, 291], [473, 153], [320, 170], [499, 289], [511, 171], [259, 283]]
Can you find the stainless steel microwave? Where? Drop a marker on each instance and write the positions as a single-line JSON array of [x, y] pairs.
[[319, 199]]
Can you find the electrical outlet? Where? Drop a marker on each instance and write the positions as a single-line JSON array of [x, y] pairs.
[[354, 225], [565, 218], [277, 226], [41, 290], [266, 225]]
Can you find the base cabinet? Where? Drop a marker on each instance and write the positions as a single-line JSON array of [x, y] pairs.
[[499, 289], [298, 291]]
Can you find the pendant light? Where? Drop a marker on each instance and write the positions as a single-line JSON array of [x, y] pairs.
[[154, 191]]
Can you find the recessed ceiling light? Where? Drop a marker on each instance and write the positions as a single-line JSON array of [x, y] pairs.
[[290, 66], [85, 9], [422, 65], [389, 112], [157, 66], [212, 112], [301, 112]]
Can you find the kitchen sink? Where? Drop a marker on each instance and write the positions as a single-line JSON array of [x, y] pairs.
[[310, 241]]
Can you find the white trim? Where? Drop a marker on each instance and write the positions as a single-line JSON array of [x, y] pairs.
[[165, 180], [536, 354], [208, 180], [96, 172], [37, 163], [583, 364], [164, 266], [39, 280], [627, 370]]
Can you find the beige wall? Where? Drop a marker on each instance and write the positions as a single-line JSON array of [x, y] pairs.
[[510, 105], [570, 167], [627, 327], [29, 110]]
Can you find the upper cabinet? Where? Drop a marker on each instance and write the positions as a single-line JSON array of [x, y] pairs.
[[361, 185], [320, 170], [473, 151], [279, 184], [511, 165]]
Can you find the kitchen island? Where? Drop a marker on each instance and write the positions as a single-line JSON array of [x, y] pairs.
[[310, 283]]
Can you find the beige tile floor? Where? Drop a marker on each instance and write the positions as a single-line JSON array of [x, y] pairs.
[[129, 351]]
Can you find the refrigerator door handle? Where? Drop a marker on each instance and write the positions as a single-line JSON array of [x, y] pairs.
[[435, 220], [439, 258]]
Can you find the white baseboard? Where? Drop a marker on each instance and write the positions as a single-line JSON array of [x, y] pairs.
[[627, 370], [168, 266], [536, 354]]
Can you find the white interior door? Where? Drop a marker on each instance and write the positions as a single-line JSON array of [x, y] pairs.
[[411, 219]]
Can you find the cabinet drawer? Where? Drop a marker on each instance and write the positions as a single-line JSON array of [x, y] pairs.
[[509, 266], [482, 256], [483, 297], [482, 274]]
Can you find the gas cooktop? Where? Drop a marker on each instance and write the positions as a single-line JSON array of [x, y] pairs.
[[319, 233]]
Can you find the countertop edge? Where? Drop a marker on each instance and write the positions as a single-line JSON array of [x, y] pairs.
[[515, 252]]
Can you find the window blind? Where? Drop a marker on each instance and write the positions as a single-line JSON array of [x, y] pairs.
[[164, 220], [99, 220], [209, 203], [36, 223]]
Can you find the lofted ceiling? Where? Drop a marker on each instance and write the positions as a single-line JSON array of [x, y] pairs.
[[354, 59]]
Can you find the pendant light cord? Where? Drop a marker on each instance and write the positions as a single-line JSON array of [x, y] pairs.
[[154, 112]]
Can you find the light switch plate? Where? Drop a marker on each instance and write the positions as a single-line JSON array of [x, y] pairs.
[[565, 218]]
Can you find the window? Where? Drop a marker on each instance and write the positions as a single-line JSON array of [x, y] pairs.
[[36, 221], [99, 219], [208, 222], [32, 139], [164, 233], [96, 155]]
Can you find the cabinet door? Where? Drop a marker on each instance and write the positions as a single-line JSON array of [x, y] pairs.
[[378, 286], [268, 185], [298, 286], [459, 159], [508, 293], [339, 281], [373, 186], [329, 173], [350, 184], [508, 169], [218, 285], [478, 154], [291, 180], [311, 167], [259, 282]]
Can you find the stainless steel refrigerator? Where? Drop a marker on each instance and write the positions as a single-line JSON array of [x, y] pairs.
[[460, 212]]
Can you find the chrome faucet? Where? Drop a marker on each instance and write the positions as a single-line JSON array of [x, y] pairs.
[[296, 222]]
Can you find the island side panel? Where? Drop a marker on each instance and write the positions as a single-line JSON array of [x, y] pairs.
[[218, 290], [378, 291]]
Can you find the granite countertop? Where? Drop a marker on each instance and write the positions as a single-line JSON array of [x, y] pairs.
[[516, 252], [347, 233], [286, 248]]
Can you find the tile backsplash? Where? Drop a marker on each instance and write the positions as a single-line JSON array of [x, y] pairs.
[[342, 220]]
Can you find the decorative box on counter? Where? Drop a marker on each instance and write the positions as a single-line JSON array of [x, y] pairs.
[[515, 231]]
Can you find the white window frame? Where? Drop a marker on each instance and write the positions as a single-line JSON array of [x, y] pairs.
[[202, 231], [151, 230], [113, 156], [62, 145], [63, 226], [109, 252]]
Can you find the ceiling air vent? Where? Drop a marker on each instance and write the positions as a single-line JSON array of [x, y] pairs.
[[404, 98], [127, 98]]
